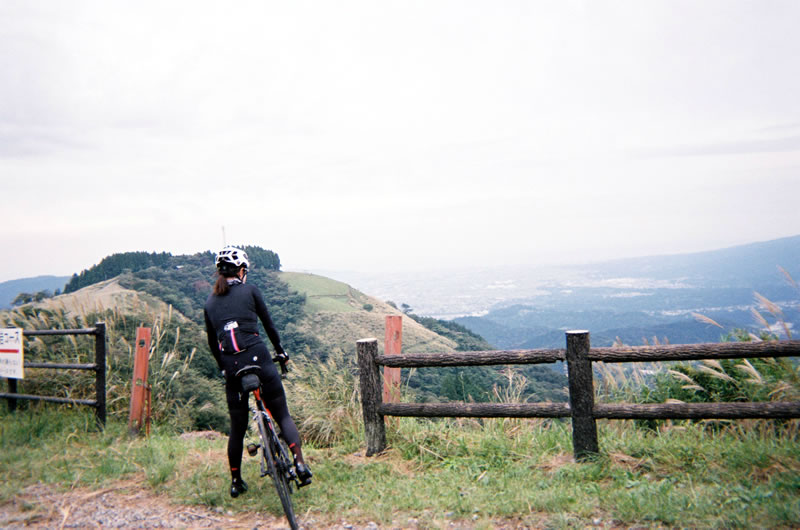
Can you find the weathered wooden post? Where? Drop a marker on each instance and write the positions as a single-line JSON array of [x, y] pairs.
[[393, 345], [370, 385], [136, 418], [12, 389], [100, 372], [581, 395]]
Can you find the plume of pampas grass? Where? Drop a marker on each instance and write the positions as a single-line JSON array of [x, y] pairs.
[[706, 320]]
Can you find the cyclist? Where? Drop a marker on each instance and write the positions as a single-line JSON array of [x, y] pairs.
[[231, 313]]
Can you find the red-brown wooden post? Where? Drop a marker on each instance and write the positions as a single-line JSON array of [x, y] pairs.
[[139, 383], [393, 345]]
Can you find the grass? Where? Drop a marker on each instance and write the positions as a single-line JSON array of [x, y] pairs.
[[323, 294], [478, 474]]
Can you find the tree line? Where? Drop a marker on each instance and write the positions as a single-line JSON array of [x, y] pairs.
[[133, 262], [27, 298]]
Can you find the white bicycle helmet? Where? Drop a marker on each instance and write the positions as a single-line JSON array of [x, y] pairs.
[[232, 256]]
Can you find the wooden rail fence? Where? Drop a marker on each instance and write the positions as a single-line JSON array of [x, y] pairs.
[[99, 368], [581, 407]]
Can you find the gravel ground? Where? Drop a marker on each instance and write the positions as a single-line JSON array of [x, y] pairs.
[[126, 505], [129, 504]]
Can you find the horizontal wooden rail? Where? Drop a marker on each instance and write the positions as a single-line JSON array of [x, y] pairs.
[[43, 332], [676, 352], [616, 411], [695, 352], [476, 410], [698, 411], [62, 366], [89, 402], [471, 358]]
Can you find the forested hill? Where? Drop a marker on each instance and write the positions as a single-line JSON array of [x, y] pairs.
[[184, 281], [132, 262]]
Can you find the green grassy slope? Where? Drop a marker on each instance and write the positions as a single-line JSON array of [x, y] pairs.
[[339, 315]]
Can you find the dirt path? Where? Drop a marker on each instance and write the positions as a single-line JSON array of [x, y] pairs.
[[128, 504], [131, 504]]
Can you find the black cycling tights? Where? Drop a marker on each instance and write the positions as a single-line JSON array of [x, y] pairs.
[[239, 420], [275, 400]]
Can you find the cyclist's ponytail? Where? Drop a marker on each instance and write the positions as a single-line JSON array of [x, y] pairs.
[[221, 286]]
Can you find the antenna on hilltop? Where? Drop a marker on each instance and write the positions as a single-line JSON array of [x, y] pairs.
[[224, 242]]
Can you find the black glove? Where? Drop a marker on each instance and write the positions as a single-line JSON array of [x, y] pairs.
[[282, 357]]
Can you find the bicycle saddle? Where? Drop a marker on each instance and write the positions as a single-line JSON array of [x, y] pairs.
[[249, 377]]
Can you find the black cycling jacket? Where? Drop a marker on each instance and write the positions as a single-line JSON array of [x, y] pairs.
[[242, 305]]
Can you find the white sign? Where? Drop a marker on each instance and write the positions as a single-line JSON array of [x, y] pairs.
[[11, 354]]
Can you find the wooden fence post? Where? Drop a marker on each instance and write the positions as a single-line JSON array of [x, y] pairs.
[[100, 372], [139, 384], [393, 345], [12, 389], [581, 395], [370, 385]]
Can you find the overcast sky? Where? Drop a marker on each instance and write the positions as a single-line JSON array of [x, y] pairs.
[[382, 135]]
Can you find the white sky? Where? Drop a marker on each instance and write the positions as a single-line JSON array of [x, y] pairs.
[[382, 135]]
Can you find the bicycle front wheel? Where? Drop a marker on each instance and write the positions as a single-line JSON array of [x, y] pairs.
[[276, 468], [282, 482]]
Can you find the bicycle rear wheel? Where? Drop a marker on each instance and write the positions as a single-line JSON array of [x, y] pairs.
[[276, 468]]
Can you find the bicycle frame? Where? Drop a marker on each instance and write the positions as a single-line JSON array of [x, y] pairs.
[[275, 460], [271, 433]]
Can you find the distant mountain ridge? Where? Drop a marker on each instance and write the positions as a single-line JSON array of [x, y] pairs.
[[474, 291], [739, 266], [9, 290], [654, 299]]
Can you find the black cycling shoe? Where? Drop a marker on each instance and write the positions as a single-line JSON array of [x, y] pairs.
[[303, 474], [238, 487]]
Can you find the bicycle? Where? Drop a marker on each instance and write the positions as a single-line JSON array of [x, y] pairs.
[[275, 460]]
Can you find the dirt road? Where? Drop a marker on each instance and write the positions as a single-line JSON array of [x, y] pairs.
[[128, 504]]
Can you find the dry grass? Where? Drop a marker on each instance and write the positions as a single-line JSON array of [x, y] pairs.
[[168, 358], [103, 296]]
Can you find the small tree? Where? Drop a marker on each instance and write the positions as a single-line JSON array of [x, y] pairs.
[[41, 295], [22, 298]]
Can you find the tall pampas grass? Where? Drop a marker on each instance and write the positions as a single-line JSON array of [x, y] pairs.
[[324, 398]]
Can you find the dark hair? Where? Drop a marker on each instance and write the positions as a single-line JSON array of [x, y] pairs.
[[221, 286]]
